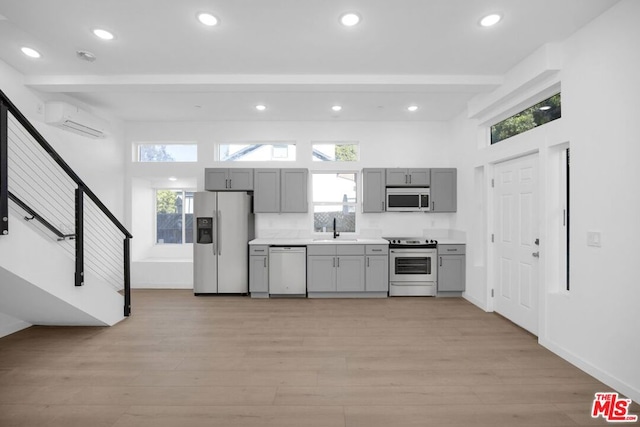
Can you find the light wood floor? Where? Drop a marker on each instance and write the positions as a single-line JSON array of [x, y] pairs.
[[183, 361]]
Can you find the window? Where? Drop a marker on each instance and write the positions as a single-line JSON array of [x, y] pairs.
[[335, 152], [543, 112], [174, 216], [257, 152], [167, 152], [334, 196]]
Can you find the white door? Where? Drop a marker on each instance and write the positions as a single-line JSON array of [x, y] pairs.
[[515, 247]]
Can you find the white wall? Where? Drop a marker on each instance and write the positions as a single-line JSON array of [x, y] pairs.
[[381, 144], [595, 325]]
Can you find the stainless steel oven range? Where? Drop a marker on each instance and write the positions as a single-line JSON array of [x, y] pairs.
[[412, 266]]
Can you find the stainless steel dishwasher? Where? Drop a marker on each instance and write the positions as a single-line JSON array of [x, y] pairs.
[[288, 270]]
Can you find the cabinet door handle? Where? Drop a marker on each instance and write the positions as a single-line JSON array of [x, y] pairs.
[[433, 206], [265, 262], [383, 206], [368, 261], [409, 179], [440, 261], [338, 262], [406, 179], [334, 262]]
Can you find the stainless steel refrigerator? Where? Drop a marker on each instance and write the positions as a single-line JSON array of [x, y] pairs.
[[223, 225]]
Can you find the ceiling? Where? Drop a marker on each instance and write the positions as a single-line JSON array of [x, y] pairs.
[[291, 55]]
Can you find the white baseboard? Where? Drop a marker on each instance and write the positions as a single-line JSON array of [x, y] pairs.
[[615, 383], [474, 301]]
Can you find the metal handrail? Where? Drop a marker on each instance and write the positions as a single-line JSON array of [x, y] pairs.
[[35, 215], [6, 106], [60, 161]]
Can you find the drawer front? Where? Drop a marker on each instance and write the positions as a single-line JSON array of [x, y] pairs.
[[350, 249], [377, 250], [321, 249], [451, 249], [258, 250]]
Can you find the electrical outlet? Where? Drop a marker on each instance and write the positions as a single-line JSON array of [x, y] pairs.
[[594, 238]]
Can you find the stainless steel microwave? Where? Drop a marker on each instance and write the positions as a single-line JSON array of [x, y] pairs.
[[408, 199]]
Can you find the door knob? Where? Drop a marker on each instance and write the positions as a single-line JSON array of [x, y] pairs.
[[536, 254], [537, 242]]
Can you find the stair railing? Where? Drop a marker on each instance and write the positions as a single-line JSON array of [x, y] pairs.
[[39, 182]]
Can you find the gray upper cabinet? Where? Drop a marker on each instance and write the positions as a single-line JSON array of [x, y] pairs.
[[229, 179], [266, 190], [444, 190], [373, 190], [399, 177], [293, 190]]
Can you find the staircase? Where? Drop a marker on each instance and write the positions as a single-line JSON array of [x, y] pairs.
[[64, 257]]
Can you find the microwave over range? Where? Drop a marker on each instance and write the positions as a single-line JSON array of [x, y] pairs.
[[404, 199]]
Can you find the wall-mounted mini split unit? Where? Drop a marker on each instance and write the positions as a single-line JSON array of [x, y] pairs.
[[74, 119]]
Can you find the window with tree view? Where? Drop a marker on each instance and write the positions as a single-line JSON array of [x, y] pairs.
[[174, 216], [167, 152], [543, 112], [334, 196], [335, 152]]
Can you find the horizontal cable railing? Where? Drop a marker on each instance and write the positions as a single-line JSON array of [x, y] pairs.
[[52, 197]]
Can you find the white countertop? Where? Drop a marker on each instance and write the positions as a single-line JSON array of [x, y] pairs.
[[279, 241]]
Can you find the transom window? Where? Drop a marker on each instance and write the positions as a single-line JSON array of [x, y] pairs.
[[543, 112], [335, 151], [167, 152], [334, 196], [257, 152]]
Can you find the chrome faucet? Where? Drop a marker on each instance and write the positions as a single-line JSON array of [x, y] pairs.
[[335, 232]]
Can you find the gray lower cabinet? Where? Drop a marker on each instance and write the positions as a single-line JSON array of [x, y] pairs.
[[377, 273], [259, 270], [373, 190], [321, 273], [350, 273], [443, 190], [451, 268], [280, 191], [347, 268], [221, 179]]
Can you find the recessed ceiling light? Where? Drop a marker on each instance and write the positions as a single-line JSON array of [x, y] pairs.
[[336, 108], [350, 19], [31, 53], [173, 178], [490, 20], [544, 108], [412, 108], [261, 107], [103, 34], [207, 19]]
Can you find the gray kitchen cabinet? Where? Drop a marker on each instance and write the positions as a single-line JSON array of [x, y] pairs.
[[266, 190], [321, 273], [444, 190], [350, 273], [377, 273], [373, 190], [416, 177], [293, 190], [259, 270], [451, 268], [355, 269], [280, 190], [229, 179]]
